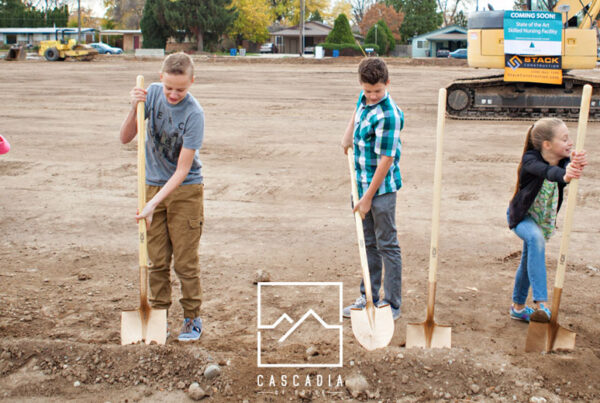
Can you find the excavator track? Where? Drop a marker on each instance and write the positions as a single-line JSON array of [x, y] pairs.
[[492, 98]]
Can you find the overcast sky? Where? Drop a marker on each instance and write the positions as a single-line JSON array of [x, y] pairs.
[[97, 6]]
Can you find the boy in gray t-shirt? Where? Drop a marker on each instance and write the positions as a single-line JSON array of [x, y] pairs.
[[174, 189]]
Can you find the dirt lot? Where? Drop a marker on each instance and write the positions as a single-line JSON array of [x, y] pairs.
[[277, 199]]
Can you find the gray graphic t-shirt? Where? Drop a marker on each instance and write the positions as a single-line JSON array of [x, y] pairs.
[[171, 127]]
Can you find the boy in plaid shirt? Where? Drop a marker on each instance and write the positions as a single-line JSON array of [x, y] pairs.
[[374, 133]]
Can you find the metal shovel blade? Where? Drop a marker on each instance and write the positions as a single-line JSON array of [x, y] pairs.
[[548, 337], [150, 328], [373, 326], [428, 335]]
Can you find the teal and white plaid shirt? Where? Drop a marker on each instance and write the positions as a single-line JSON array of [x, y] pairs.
[[376, 133]]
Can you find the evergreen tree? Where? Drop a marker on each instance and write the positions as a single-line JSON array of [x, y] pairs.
[[316, 16], [341, 32], [376, 36], [155, 29], [15, 13], [206, 20], [391, 42]]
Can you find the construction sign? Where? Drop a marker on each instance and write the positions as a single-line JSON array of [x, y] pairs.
[[536, 33], [534, 69]]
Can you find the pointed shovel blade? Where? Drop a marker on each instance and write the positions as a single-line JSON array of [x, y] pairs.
[[131, 327], [373, 326], [135, 329], [156, 329], [548, 337], [417, 335]]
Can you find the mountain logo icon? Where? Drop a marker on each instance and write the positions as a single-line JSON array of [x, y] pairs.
[[279, 341]]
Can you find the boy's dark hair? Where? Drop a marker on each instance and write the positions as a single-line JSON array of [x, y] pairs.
[[178, 63], [373, 70]]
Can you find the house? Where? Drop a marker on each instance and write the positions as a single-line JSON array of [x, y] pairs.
[[33, 36], [127, 39], [287, 39], [451, 37]]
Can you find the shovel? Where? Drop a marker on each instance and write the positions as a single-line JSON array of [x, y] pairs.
[[429, 334], [143, 324], [551, 336], [372, 326]]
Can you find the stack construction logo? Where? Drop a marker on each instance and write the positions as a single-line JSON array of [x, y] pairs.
[[299, 325], [537, 69]]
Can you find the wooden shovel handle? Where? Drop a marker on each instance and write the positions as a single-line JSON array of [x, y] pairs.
[[573, 186], [359, 230], [437, 185], [141, 174]]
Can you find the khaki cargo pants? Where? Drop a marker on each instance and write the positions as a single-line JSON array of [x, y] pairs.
[[175, 233]]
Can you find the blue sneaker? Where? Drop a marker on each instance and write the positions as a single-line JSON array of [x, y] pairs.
[[522, 315], [395, 311], [542, 314], [192, 330], [360, 303]]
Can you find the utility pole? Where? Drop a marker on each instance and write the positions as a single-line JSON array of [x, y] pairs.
[[78, 21], [301, 39]]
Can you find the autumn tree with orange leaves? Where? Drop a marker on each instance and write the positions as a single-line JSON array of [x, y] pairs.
[[379, 11]]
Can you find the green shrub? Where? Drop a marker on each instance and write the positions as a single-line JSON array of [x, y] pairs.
[[374, 35], [341, 32]]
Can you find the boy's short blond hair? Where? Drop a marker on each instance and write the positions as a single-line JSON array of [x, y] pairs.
[[178, 63]]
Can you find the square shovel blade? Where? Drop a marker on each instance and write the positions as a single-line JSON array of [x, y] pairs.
[[135, 329], [373, 326], [548, 337], [417, 335]]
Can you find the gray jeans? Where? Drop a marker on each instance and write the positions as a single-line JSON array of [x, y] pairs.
[[381, 242]]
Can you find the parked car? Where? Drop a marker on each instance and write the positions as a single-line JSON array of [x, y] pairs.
[[459, 54], [268, 48], [103, 48], [442, 53]]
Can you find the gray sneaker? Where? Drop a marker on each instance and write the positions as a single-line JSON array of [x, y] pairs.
[[395, 311], [360, 303]]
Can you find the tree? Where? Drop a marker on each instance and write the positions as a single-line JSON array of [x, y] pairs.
[[155, 29], [461, 19], [377, 37], [450, 10], [86, 18], [253, 19], [359, 7], [126, 14], [341, 32], [204, 19], [339, 7], [316, 16], [420, 17], [379, 11], [16, 13]]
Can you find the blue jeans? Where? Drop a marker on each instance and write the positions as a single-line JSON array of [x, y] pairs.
[[381, 241], [532, 269]]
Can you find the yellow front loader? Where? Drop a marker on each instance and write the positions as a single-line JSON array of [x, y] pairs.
[[60, 49]]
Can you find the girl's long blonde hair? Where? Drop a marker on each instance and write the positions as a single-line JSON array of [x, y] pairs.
[[542, 130]]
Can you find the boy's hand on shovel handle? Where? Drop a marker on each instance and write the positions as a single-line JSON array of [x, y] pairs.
[[363, 207], [146, 214]]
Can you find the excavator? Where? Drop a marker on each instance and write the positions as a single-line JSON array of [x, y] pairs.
[[548, 88]]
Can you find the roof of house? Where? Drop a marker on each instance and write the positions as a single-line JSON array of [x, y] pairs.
[[45, 30], [454, 32], [311, 28], [120, 31]]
